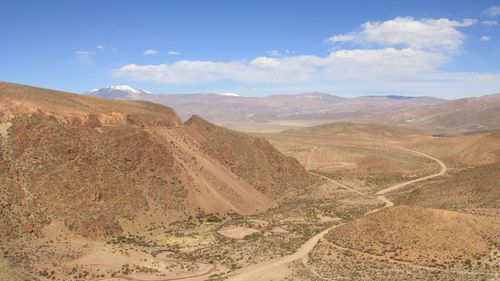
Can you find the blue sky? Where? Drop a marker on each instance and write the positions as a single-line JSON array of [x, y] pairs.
[[448, 49]]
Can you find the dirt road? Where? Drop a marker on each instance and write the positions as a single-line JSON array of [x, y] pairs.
[[398, 186], [205, 269], [263, 271], [308, 162], [267, 270]]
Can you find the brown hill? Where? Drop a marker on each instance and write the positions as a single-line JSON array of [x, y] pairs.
[[478, 149], [421, 235], [92, 162], [474, 181], [254, 159], [474, 161], [462, 116], [356, 131], [82, 110], [472, 188]]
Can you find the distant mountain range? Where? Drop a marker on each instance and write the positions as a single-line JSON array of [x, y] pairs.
[[280, 112], [463, 116]]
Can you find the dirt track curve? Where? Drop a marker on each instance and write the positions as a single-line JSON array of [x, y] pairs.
[[260, 271], [158, 254]]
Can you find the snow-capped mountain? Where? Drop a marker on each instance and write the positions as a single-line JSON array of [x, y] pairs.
[[119, 92], [229, 94]]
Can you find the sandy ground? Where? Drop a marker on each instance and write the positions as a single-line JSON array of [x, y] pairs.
[[4, 128], [282, 229], [237, 232]]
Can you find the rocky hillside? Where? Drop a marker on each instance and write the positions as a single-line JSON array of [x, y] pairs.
[[463, 116], [472, 188], [253, 159], [357, 131], [421, 236], [94, 162]]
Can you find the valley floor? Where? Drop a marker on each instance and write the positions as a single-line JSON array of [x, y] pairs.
[[266, 271], [350, 226]]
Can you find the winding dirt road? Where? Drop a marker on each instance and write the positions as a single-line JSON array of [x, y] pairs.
[[443, 170], [162, 255], [265, 271]]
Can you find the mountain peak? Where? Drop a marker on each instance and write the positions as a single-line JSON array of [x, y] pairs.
[[317, 95], [123, 88], [119, 92], [229, 94]]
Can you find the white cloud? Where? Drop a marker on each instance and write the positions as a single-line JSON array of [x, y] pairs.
[[401, 47], [341, 38], [485, 38], [173, 53], [84, 56], [104, 49], [493, 11], [482, 77], [277, 53], [150, 52], [489, 22], [409, 32], [84, 53], [274, 53], [388, 63]]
